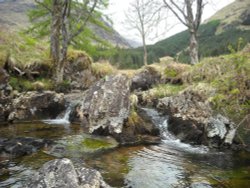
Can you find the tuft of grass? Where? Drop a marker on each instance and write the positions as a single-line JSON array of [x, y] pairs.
[[160, 91], [134, 119], [163, 90], [103, 68]]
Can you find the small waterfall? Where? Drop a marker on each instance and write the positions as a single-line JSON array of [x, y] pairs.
[[60, 120], [167, 137]]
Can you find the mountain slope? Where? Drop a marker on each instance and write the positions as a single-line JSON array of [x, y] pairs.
[[235, 15], [222, 30], [13, 16]]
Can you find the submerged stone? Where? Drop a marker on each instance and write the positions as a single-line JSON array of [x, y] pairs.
[[79, 145]]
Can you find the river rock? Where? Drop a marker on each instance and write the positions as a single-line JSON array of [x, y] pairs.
[[105, 105], [61, 173], [145, 79], [36, 105], [191, 119], [21, 146], [5, 98], [139, 129]]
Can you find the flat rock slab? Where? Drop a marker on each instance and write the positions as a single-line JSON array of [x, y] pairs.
[[61, 173]]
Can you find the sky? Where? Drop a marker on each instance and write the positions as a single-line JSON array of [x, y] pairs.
[[117, 9]]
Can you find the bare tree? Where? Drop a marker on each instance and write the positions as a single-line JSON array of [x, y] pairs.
[[144, 16], [189, 13]]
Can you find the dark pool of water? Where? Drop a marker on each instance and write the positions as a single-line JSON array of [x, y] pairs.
[[170, 164]]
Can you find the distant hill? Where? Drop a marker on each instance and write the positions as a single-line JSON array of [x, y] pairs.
[[235, 15], [13, 15], [215, 35]]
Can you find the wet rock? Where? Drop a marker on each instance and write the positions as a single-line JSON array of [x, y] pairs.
[[61, 173], [105, 106], [191, 119], [36, 105], [139, 129], [5, 98], [79, 145], [17, 147], [145, 79]]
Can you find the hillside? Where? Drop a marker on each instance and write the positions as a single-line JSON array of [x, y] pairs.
[[13, 15], [235, 15], [222, 30], [215, 35]]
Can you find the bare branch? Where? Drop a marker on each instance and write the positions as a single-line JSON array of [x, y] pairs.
[[176, 13]]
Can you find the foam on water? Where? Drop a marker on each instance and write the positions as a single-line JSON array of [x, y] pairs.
[[168, 138]]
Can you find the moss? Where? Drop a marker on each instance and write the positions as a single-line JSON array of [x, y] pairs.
[[80, 59], [94, 144], [133, 119], [170, 73], [21, 84]]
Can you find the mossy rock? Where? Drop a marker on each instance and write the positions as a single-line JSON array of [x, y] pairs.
[[173, 70], [79, 60], [79, 145]]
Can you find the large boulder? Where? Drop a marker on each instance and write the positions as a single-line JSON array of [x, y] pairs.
[[105, 105], [191, 119], [36, 105], [61, 173]]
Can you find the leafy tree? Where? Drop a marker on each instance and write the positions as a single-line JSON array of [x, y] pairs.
[[68, 23]]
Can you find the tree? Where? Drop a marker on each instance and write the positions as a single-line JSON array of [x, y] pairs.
[[189, 13], [144, 16], [68, 19]]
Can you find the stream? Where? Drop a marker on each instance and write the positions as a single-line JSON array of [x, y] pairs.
[[167, 165]]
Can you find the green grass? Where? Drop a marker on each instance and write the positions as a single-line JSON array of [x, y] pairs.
[[24, 49], [210, 44], [228, 75]]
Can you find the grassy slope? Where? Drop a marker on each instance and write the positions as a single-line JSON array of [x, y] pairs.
[[224, 81]]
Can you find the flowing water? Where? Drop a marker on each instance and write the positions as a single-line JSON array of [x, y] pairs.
[[169, 164]]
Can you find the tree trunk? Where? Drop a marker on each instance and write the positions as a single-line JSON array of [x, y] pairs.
[[193, 48], [145, 54], [65, 41], [55, 31]]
